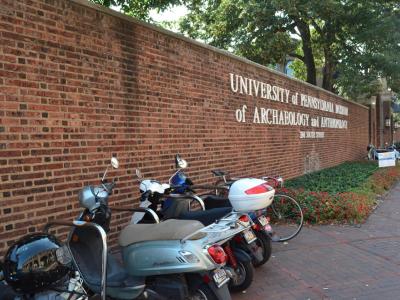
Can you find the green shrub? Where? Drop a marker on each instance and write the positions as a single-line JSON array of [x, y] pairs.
[[341, 178], [343, 194]]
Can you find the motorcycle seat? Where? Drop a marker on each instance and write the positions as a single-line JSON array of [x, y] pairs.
[[213, 201], [168, 230], [206, 217]]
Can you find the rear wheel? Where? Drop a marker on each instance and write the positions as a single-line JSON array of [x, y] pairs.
[[203, 292], [243, 276], [286, 217], [263, 241]]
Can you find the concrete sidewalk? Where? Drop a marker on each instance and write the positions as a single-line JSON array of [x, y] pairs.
[[336, 262]]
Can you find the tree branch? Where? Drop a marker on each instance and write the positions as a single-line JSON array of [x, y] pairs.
[[317, 28], [298, 56]]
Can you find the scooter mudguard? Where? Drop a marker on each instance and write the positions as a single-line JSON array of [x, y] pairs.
[[256, 252], [241, 254], [221, 293]]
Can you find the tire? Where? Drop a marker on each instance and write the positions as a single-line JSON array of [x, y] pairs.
[[245, 271], [286, 217], [263, 241], [371, 155], [203, 292]]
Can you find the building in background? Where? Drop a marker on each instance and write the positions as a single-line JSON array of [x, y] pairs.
[[382, 126]]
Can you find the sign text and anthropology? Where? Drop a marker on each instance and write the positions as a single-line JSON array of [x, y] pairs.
[[269, 116]]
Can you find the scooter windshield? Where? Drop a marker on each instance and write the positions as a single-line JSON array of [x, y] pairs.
[[179, 179]]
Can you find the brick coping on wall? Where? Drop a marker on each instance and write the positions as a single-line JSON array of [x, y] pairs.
[[117, 14]]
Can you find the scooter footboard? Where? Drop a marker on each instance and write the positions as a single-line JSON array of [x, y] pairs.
[[75, 235]]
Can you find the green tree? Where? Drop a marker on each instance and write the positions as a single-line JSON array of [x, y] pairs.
[[350, 39], [351, 42], [138, 8]]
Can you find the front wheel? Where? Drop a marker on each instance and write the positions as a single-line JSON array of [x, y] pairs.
[[242, 277], [286, 217]]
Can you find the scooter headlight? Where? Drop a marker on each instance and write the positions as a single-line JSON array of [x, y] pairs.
[[63, 256]]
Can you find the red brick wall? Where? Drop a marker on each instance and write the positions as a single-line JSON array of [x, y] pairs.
[[79, 84], [396, 135]]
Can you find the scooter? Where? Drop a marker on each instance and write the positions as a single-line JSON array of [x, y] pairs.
[[40, 275], [172, 260], [249, 204], [239, 265], [285, 211], [178, 206], [373, 152]]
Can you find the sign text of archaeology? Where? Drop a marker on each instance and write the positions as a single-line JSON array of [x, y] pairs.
[[269, 116]]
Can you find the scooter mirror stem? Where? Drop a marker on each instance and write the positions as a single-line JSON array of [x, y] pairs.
[[104, 176]]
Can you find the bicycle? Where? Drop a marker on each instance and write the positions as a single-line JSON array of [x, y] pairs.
[[285, 212]]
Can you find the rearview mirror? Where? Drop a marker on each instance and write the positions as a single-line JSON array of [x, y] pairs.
[[115, 165], [114, 162], [180, 163], [139, 173]]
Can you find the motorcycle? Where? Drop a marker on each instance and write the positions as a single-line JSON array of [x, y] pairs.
[[373, 151], [284, 211], [39, 275], [238, 265], [170, 260]]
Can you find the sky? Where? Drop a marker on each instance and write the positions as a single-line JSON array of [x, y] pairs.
[[171, 14]]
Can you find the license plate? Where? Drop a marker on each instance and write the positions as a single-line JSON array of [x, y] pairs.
[[249, 236], [263, 220], [220, 277]]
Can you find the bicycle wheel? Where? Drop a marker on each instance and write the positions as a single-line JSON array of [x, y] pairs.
[[286, 217]]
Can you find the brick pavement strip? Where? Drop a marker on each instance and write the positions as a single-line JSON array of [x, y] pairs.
[[336, 262]]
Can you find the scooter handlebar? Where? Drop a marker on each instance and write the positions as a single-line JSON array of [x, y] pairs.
[[108, 186]]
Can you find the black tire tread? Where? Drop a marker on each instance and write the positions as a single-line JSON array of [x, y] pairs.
[[266, 244]]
